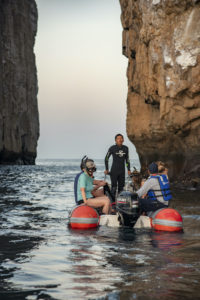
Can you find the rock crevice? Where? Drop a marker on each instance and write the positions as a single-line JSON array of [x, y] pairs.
[[161, 40]]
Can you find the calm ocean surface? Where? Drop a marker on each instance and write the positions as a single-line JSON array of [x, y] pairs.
[[41, 258]]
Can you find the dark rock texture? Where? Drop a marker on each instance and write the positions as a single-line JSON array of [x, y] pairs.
[[161, 39], [19, 120]]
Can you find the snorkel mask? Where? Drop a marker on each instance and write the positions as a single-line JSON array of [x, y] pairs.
[[88, 165]]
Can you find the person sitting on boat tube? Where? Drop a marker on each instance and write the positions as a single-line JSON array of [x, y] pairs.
[[88, 191], [162, 168], [137, 180], [157, 191]]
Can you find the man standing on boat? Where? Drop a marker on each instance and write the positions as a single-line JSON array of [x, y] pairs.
[[120, 155]]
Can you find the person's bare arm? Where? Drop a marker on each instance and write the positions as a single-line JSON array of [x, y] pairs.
[[83, 195]]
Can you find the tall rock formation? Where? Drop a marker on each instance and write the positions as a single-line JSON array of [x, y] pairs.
[[161, 39], [19, 122]]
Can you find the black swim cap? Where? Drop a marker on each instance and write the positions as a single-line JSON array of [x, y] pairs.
[[153, 168]]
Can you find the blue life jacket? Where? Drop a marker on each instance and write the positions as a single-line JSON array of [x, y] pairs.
[[164, 190], [76, 186]]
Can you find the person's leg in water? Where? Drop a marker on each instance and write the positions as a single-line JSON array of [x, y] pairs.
[[103, 202]]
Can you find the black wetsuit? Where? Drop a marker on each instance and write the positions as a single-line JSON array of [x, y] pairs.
[[117, 172]]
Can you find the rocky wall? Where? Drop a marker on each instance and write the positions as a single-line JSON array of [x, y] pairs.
[[19, 121], [161, 39]]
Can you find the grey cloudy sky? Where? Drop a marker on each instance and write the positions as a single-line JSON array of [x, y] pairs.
[[82, 78]]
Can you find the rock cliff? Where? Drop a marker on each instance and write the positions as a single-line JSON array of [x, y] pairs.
[[161, 39], [19, 123]]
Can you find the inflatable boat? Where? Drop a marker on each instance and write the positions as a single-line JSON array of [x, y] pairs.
[[127, 214], [83, 217]]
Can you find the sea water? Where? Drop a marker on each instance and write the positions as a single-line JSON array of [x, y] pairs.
[[41, 258]]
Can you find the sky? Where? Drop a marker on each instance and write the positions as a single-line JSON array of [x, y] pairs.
[[81, 78]]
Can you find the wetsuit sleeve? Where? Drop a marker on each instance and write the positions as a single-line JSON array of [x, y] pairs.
[[127, 160], [107, 158]]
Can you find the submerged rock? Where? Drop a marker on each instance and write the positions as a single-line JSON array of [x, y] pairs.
[[161, 40], [19, 121]]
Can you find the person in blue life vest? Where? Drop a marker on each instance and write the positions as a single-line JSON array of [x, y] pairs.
[[156, 190], [120, 155], [88, 190]]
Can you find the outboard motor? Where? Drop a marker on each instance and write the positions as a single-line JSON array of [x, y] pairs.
[[127, 208]]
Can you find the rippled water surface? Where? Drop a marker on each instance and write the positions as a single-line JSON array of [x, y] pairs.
[[41, 258]]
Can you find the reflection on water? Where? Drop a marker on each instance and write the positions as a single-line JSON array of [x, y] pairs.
[[41, 258], [167, 240]]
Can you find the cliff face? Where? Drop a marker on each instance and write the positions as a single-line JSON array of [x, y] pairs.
[[161, 40], [19, 124]]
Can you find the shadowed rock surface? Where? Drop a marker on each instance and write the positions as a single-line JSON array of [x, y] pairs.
[[161, 40], [19, 121]]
